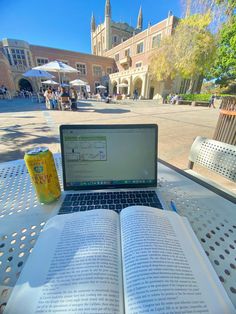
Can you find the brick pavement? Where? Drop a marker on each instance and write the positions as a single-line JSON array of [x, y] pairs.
[[24, 125]]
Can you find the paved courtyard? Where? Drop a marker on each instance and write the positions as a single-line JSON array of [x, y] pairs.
[[24, 125]]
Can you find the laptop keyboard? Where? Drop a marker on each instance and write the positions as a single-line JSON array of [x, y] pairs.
[[108, 200]]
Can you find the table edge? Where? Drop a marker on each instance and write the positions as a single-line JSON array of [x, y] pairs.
[[210, 187]]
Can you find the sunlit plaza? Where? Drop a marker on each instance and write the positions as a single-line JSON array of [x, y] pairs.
[[26, 124]]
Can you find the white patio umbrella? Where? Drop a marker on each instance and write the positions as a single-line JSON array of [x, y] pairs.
[[57, 66], [101, 87], [50, 82], [78, 82], [38, 73]]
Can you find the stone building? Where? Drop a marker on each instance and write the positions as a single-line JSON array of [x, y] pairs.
[[18, 56], [109, 34], [5, 72], [131, 48], [120, 59]]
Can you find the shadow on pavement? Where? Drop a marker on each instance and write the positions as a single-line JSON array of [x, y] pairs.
[[16, 141], [19, 105], [14, 131], [12, 155], [111, 111], [82, 107], [16, 153], [24, 117]]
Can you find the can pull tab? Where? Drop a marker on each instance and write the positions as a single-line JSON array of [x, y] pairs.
[[37, 150]]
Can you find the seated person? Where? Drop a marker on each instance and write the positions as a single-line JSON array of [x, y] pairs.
[[63, 99], [63, 92], [73, 98]]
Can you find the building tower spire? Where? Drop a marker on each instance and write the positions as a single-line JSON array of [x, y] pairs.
[[140, 19], [107, 25], [93, 23], [93, 30], [108, 8]]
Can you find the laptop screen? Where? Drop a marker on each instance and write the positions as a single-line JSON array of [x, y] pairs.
[[109, 156]]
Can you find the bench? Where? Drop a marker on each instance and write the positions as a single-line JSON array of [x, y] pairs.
[[184, 102], [216, 156], [64, 103], [200, 103], [193, 103]]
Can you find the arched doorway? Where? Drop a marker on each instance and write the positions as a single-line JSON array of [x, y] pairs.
[[124, 87], [151, 92], [25, 84], [138, 85], [114, 88]]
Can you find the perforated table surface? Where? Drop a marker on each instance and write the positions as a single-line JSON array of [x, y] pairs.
[[212, 216]]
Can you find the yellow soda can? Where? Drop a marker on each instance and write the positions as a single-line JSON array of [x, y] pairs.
[[41, 167]]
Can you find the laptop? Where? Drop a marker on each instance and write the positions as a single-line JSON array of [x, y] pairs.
[[109, 166]]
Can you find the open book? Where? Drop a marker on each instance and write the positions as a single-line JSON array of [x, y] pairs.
[[144, 260]]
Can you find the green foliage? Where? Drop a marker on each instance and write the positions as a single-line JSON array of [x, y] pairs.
[[218, 8], [225, 65], [201, 97], [194, 46], [197, 21], [197, 97], [230, 5], [190, 51], [162, 61]]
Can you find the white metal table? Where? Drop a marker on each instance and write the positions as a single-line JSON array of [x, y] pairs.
[[212, 216]]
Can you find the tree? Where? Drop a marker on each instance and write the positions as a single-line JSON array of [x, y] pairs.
[[163, 61], [221, 10], [230, 5], [189, 52], [223, 25], [202, 6], [225, 64]]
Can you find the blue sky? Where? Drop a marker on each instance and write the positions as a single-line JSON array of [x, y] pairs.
[[65, 24]]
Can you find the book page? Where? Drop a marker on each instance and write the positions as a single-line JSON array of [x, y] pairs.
[[74, 268], [164, 267]]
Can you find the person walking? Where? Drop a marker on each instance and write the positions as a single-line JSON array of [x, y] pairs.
[[135, 95], [212, 101]]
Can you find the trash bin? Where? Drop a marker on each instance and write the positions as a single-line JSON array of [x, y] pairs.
[[226, 126]]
